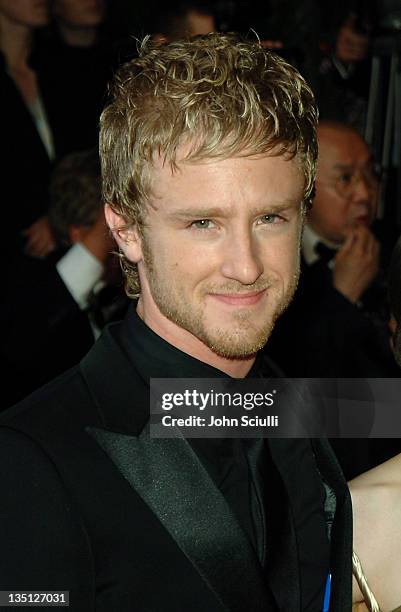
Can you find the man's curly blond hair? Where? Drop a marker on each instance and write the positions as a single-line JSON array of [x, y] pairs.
[[218, 95]]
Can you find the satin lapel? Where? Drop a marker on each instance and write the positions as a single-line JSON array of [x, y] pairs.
[[257, 462], [341, 538], [282, 549], [171, 480]]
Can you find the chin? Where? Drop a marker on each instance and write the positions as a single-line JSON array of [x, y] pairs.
[[243, 345], [236, 353], [365, 221]]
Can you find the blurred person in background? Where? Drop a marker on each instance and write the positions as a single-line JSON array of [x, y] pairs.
[[341, 281], [78, 21], [27, 134], [376, 501], [183, 20], [343, 76], [74, 62], [337, 324], [76, 215], [48, 316]]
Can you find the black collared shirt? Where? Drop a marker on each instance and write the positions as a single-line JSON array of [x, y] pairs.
[[228, 462]]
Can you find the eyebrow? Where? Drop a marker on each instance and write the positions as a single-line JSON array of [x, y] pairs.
[[203, 213], [340, 166]]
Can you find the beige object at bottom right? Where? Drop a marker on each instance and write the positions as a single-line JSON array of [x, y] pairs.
[[376, 500]]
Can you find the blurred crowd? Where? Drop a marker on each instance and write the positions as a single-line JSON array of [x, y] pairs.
[[62, 281]]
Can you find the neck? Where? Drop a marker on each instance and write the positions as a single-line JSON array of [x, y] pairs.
[[187, 343], [78, 36], [15, 43]]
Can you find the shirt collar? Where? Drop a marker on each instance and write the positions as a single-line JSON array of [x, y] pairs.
[[154, 357], [309, 241]]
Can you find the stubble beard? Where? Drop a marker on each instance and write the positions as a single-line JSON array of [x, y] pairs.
[[239, 343]]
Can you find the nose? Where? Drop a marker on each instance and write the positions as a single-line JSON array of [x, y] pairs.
[[241, 259]]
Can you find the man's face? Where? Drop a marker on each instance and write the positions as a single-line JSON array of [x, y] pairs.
[[199, 23], [351, 46], [80, 13], [346, 187], [219, 258], [31, 13]]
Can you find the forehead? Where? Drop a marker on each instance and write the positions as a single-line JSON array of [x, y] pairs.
[[341, 147], [231, 181], [199, 23]]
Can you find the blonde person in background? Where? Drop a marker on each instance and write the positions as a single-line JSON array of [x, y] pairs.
[[376, 499]]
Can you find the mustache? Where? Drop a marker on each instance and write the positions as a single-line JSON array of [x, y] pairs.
[[236, 287]]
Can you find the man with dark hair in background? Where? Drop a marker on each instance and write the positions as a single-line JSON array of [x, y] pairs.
[[46, 323], [183, 20], [343, 76], [337, 325], [341, 283]]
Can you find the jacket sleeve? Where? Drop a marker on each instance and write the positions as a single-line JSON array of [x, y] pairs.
[[43, 544]]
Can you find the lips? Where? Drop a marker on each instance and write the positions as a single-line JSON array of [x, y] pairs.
[[365, 219], [239, 299]]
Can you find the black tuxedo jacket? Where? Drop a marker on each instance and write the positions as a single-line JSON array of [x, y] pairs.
[[44, 332], [126, 523], [26, 166], [323, 334]]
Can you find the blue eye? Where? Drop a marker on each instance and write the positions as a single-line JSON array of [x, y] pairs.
[[202, 224], [270, 219]]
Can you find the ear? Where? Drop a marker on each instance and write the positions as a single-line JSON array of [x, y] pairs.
[[128, 239], [159, 39], [76, 233]]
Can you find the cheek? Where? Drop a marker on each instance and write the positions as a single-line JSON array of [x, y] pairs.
[[182, 267], [284, 256], [332, 214], [322, 211], [193, 259], [324, 205], [341, 215]]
